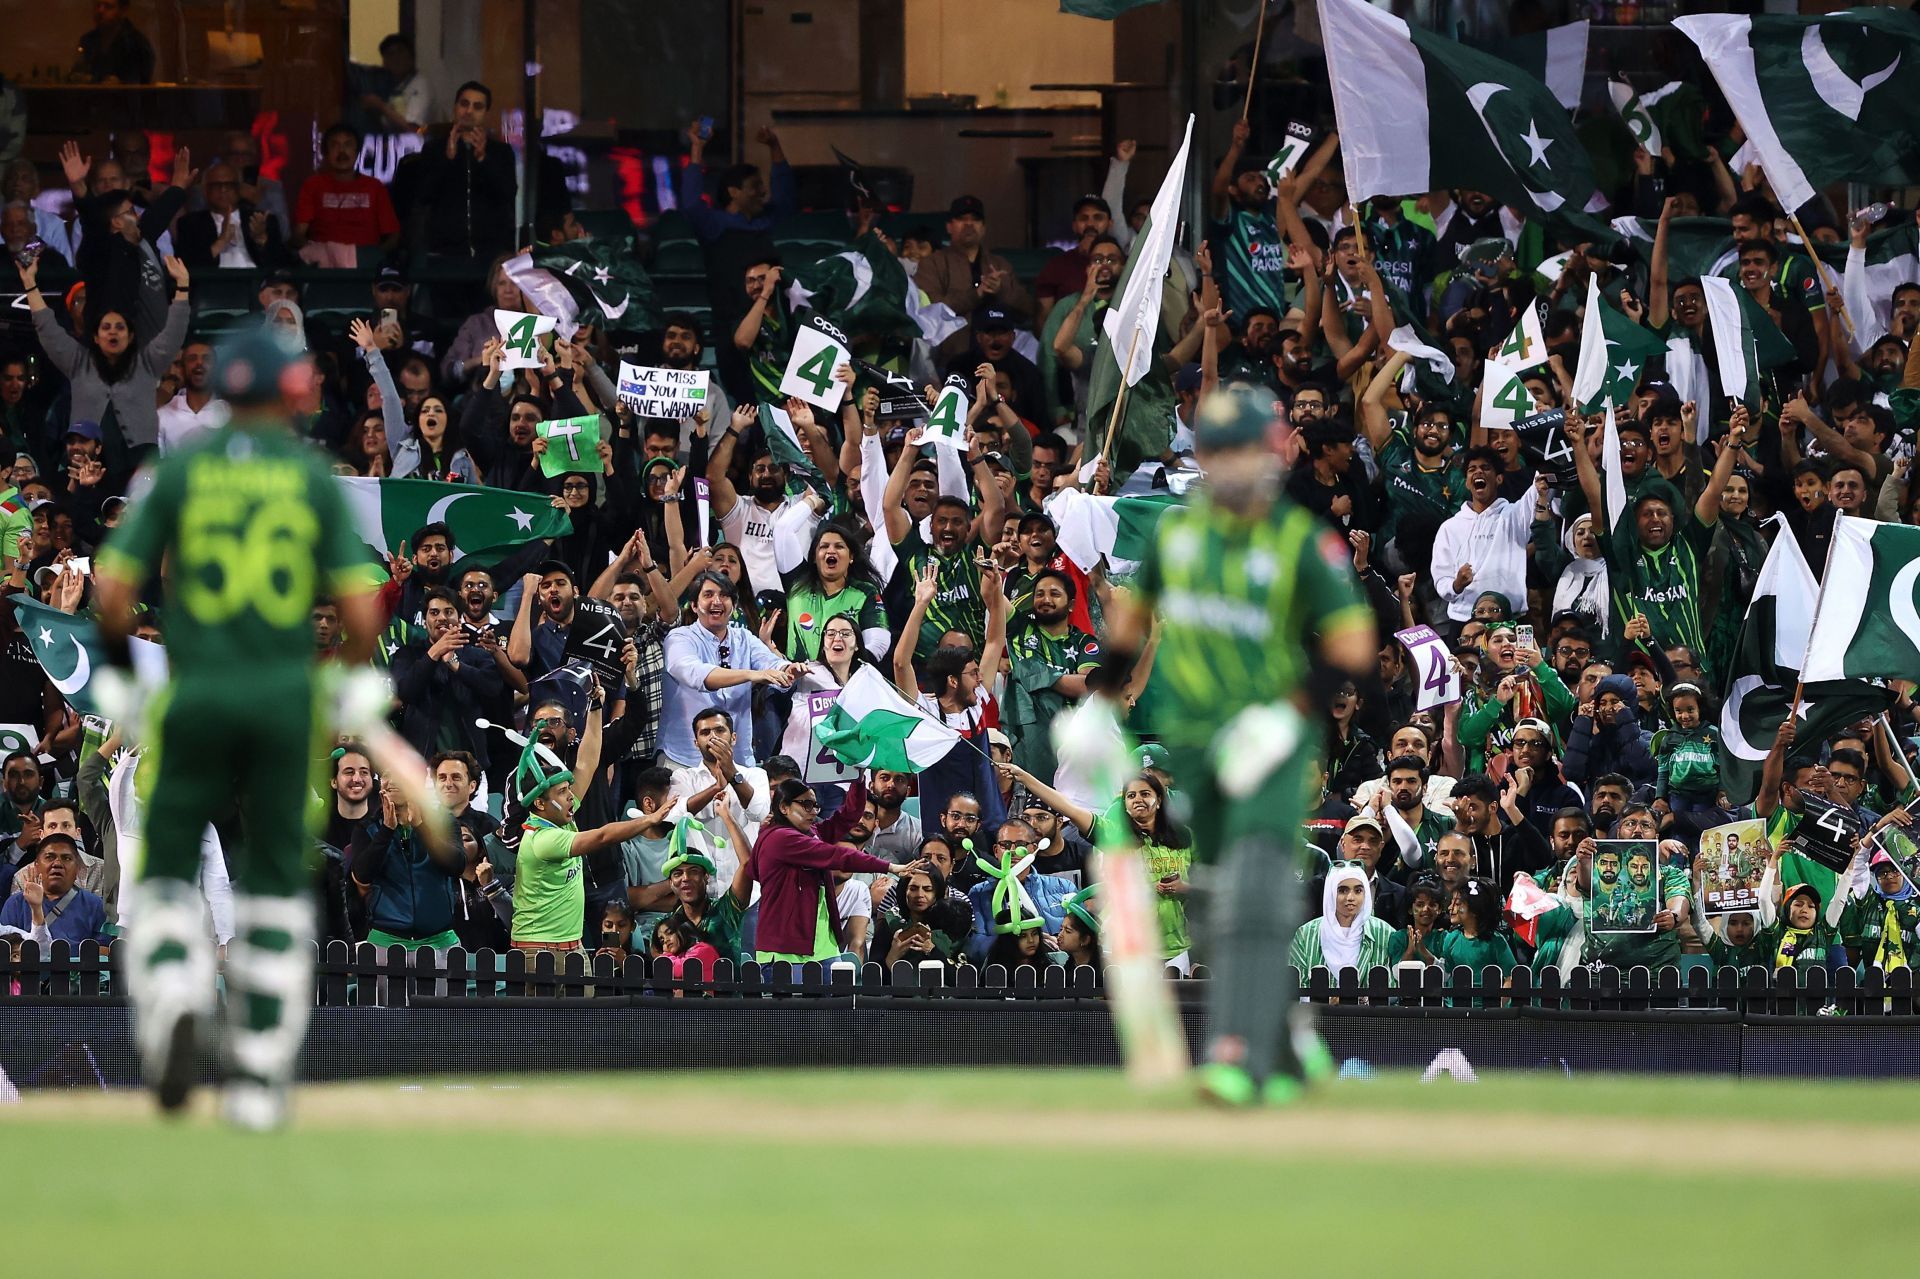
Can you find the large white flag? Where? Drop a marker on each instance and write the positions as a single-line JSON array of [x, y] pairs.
[[1133, 321]]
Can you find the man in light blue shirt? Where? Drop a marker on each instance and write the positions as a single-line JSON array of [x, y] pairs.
[[714, 661]]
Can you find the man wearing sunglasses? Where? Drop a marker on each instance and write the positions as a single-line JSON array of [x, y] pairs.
[[1046, 894], [714, 662]]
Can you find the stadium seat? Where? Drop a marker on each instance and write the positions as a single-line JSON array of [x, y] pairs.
[[336, 292], [672, 227], [605, 224], [224, 292], [679, 257]]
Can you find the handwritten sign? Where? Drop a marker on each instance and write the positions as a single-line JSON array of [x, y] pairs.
[[657, 392]]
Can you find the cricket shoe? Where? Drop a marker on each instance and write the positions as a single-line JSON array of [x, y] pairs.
[[1222, 1083], [174, 1058]]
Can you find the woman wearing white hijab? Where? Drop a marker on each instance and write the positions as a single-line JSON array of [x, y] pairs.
[[1346, 935], [1583, 583]]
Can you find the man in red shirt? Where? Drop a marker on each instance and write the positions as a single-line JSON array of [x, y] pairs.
[[339, 211]]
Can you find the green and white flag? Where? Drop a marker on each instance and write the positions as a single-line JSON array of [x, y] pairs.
[[68, 649], [1869, 276], [593, 281], [1822, 99], [486, 523], [1613, 352], [1557, 57], [1115, 529], [1868, 623], [1669, 116], [1766, 669], [1746, 341], [866, 292], [1418, 111], [783, 440], [573, 445], [872, 726]]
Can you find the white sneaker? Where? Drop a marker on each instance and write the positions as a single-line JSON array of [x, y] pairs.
[[254, 1107]]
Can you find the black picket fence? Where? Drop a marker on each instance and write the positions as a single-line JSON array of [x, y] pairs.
[[392, 977]]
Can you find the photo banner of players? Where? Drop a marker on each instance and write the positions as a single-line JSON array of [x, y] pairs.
[[1625, 896], [1731, 867]]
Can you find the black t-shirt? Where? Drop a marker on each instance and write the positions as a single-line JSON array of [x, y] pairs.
[[21, 680]]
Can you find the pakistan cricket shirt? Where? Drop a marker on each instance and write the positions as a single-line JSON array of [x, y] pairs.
[[1235, 597], [957, 602], [1662, 584], [253, 530], [1413, 489], [1248, 247], [549, 891], [809, 610]]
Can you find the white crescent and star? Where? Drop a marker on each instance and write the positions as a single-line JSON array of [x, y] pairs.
[[1840, 90], [1730, 732], [1478, 96], [77, 678], [437, 513], [1901, 601]]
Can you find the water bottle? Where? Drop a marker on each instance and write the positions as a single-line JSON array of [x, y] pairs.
[[1865, 219]]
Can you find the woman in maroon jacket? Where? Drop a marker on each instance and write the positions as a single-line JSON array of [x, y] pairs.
[[795, 865]]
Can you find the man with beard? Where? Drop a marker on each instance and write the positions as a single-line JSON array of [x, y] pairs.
[[1051, 660], [1424, 481], [1072, 330], [445, 681], [680, 348], [967, 274], [1292, 366], [1250, 357], [717, 783], [405, 595], [538, 647], [957, 603], [1032, 549], [195, 408], [1245, 240], [1468, 217], [352, 787], [1415, 828], [1483, 546], [747, 521], [1257, 605], [1092, 218]]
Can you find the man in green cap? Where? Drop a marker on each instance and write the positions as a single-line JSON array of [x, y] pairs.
[[1261, 621], [252, 530], [688, 871]]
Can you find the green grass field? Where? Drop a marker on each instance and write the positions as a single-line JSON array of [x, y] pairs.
[[974, 1173]]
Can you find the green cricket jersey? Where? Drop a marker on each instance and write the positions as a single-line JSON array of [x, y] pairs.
[[1253, 259], [957, 604], [1454, 948], [549, 891], [1412, 489], [1237, 600], [253, 528], [1663, 584], [720, 925], [1654, 950], [809, 610]]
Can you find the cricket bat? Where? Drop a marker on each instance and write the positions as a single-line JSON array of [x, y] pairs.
[[1153, 1042]]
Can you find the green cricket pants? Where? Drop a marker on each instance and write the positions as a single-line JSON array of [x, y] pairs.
[[1247, 854], [244, 744]]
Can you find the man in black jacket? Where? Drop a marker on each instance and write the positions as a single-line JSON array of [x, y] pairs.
[[1504, 841], [118, 255], [445, 682], [466, 182], [229, 232]]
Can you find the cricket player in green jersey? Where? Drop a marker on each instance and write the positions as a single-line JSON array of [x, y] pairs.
[[250, 530], [1260, 622]]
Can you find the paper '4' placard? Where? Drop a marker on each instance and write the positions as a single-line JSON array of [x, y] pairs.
[[520, 337], [948, 423], [573, 444], [657, 392], [1436, 681], [818, 349], [823, 766]]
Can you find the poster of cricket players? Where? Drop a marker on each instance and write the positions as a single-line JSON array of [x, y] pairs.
[[1731, 865], [1625, 895]]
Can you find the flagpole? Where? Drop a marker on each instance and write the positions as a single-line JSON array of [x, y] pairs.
[[1253, 70], [1120, 400], [1826, 284], [1819, 597]]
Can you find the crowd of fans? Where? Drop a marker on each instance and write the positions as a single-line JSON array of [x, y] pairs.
[[1592, 660]]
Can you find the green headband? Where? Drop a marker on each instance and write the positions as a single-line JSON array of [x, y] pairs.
[[530, 778], [678, 854], [1007, 896], [1075, 904]]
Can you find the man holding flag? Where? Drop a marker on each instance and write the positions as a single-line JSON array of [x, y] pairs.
[[1261, 623]]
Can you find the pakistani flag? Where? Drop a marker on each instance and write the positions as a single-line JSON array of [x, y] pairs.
[[1870, 275], [587, 282], [872, 726], [486, 523], [1767, 667], [1868, 624], [1115, 529], [1108, 9], [866, 292], [1745, 339], [1669, 116], [1613, 352], [1695, 246], [1418, 111], [1557, 57], [1822, 99], [783, 441], [68, 649]]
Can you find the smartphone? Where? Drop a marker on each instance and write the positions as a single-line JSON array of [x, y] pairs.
[[705, 124], [28, 252], [1523, 634], [388, 316]]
